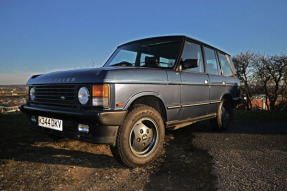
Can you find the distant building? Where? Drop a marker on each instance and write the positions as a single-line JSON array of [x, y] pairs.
[[261, 103]]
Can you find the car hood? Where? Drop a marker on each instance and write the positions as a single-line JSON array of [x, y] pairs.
[[102, 75]]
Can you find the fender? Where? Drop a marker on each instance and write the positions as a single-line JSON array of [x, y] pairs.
[[141, 94], [225, 93]]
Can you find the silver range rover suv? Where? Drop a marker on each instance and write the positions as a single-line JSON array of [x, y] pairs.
[[145, 87]]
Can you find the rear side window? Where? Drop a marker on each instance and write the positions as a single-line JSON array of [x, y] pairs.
[[212, 61], [225, 65], [193, 51]]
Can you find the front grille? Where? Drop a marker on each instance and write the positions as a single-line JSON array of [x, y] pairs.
[[56, 95]]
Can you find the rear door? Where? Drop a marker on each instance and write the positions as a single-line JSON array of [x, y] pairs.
[[217, 82], [194, 87], [232, 83]]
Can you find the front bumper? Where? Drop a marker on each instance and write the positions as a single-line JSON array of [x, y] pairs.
[[103, 125]]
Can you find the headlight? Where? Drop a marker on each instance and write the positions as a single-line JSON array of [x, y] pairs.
[[83, 95], [32, 94]]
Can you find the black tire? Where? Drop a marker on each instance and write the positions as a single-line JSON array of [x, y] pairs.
[[140, 138], [223, 117]]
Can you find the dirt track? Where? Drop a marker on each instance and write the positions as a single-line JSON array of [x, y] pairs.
[[250, 155]]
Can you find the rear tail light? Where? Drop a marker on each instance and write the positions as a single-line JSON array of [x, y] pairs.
[[101, 95]]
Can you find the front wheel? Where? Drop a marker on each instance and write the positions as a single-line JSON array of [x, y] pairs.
[[140, 138], [224, 115]]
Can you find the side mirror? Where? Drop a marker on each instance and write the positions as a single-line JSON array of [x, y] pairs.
[[190, 63]]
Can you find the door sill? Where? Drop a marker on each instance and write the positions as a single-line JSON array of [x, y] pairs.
[[173, 125]]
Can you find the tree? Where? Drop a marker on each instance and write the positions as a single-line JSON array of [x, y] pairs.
[[271, 72], [244, 63]]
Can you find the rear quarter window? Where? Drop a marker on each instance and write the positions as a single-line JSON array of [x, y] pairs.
[[231, 64]]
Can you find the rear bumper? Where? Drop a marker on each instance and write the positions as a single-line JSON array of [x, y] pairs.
[[103, 125]]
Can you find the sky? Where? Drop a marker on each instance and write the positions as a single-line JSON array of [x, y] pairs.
[[41, 36]]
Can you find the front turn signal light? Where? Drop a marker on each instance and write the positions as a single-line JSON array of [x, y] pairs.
[[101, 95]]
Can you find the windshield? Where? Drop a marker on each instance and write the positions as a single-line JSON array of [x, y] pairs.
[[155, 53]]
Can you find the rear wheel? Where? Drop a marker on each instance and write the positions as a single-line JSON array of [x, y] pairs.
[[224, 115], [140, 138]]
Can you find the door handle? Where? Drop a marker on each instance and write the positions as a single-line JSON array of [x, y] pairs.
[[205, 81]]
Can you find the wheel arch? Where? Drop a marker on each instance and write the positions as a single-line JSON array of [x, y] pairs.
[[228, 97], [149, 99]]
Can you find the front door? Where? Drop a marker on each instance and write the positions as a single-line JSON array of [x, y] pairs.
[[194, 84], [194, 95]]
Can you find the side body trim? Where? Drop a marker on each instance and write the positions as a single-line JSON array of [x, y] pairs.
[[191, 105]]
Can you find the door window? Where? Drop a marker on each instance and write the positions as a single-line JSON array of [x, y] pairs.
[[212, 61], [193, 51], [124, 58]]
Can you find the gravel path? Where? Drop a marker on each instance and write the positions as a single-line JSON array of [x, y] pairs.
[[249, 156]]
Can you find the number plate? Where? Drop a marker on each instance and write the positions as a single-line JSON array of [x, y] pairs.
[[51, 123]]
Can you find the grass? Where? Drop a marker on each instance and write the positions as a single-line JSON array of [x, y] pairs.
[[260, 115]]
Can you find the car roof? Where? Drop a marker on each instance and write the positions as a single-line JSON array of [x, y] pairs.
[[174, 37]]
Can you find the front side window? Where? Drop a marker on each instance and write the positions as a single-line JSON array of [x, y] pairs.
[[154, 53], [192, 51], [225, 65], [212, 61]]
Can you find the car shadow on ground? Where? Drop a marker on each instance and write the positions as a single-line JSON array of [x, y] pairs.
[[62, 152], [255, 127], [244, 127], [49, 155], [184, 166], [181, 167]]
